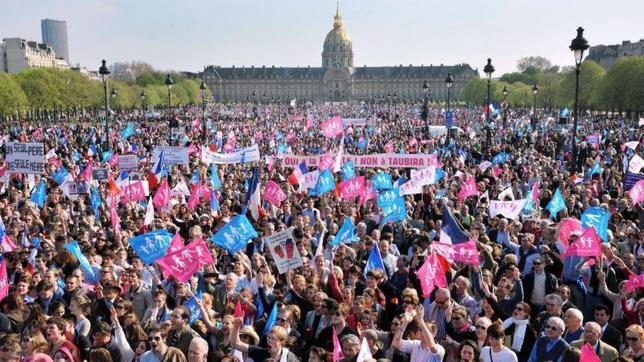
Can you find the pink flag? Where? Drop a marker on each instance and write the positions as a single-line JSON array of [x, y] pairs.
[[337, 349], [192, 149], [184, 263], [270, 162], [497, 171], [632, 145], [431, 275], [176, 244], [114, 160], [273, 193], [535, 192], [55, 162], [87, 172], [204, 191], [469, 189], [194, 197], [587, 245], [567, 227], [352, 188], [588, 354], [133, 192], [389, 147], [332, 127], [162, 196], [239, 312], [114, 217], [637, 192], [309, 122], [4, 280], [326, 162], [467, 253], [368, 193], [7, 244]]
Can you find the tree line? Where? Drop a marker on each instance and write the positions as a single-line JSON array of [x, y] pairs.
[[620, 89], [37, 90]]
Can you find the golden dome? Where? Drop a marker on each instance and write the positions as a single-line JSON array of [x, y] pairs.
[[338, 36]]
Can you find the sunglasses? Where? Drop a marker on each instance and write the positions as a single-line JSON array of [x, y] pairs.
[[456, 318], [483, 328], [119, 307], [519, 309], [157, 338], [552, 327], [395, 324], [27, 339], [407, 302], [337, 314], [632, 339], [283, 320], [551, 305], [441, 302]]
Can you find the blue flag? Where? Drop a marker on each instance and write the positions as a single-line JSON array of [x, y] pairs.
[[214, 177], [76, 156], [500, 158], [193, 307], [271, 320], [195, 178], [128, 131], [40, 194], [396, 212], [375, 260], [595, 170], [107, 155], [382, 181], [556, 204], [151, 246], [387, 198], [565, 112], [61, 175], [235, 235], [439, 175], [282, 148], [348, 171], [362, 144], [325, 184], [85, 267], [260, 308], [347, 233], [214, 204], [598, 218], [451, 231]]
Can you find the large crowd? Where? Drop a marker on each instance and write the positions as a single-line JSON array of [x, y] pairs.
[[558, 243]]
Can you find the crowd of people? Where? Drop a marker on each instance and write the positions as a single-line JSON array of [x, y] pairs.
[[526, 297]]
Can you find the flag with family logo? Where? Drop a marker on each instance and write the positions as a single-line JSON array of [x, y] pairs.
[[637, 192], [382, 181], [587, 245], [128, 131], [348, 171], [431, 275], [235, 234], [352, 188], [598, 218], [61, 175], [346, 234], [332, 127], [151, 246], [556, 204], [325, 184], [396, 212], [374, 261], [40, 195], [387, 198], [193, 307], [95, 200], [185, 262], [85, 267], [469, 189]]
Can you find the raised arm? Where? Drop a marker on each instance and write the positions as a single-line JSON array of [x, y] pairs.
[[235, 342], [428, 339]]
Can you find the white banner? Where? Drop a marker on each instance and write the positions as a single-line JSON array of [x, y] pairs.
[[416, 160], [244, 155], [171, 155], [426, 176], [509, 209], [25, 157], [636, 164], [309, 179], [284, 251], [129, 162]]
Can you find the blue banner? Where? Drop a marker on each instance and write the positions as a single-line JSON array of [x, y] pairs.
[[348, 171], [85, 267], [375, 260], [597, 217], [40, 194], [387, 198], [151, 246], [325, 184], [193, 307], [556, 204], [382, 181], [347, 233], [61, 175], [235, 235]]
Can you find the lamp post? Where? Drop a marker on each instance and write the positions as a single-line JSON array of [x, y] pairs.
[[535, 90], [114, 94], [488, 70], [169, 82], [254, 98], [505, 93], [448, 114], [202, 92], [425, 113], [142, 103], [578, 46], [104, 71]]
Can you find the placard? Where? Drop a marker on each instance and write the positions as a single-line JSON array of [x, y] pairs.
[[99, 174], [284, 251], [128, 162], [25, 157], [172, 155], [77, 188], [416, 160]]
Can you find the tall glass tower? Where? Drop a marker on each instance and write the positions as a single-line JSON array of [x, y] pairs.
[[54, 33]]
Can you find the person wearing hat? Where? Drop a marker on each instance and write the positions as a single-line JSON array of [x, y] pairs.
[[275, 345], [107, 294], [537, 284]]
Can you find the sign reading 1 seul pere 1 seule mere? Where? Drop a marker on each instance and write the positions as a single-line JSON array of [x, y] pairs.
[[25, 157]]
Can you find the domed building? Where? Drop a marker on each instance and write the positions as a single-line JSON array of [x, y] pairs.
[[337, 80]]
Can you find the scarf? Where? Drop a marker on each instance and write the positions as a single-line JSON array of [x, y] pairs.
[[519, 332]]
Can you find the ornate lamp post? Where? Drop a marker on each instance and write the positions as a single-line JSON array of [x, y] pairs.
[[448, 113], [169, 82], [202, 92], [114, 94], [143, 103], [425, 113], [505, 93], [578, 46], [535, 90], [104, 71], [488, 70]]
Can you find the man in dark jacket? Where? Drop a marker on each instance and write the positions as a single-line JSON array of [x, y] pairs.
[[102, 338], [537, 284]]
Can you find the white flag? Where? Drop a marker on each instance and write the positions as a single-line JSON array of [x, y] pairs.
[[181, 189], [337, 165], [636, 164], [506, 192], [149, 213], [365, 353], [509, 209]]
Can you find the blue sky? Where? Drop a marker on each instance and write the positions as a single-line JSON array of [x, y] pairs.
[[189, 34]]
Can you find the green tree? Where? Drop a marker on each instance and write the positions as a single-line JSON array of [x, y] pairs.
[[533, 65], [589, 83], [623, 86], [12, 97], [474, 92]]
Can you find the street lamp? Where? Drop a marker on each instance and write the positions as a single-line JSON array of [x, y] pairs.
[[448, 114], [505, 93], [425, 113], [202, 92], [104, 71], [578, 46], [114, 94], [535, 90], [254, 97], [488, 70], [169, 82], [143, 103]]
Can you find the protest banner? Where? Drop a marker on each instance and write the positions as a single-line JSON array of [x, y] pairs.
[[366, 161], [128, 162], [77, 188], [184, 263], [284, 251], [509, 209], [244, 155], [171, 155], [133, 192], [99, 174], [25, 157]]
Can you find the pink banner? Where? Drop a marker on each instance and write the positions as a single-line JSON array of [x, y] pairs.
[[587, 245], [4, 280], [352, 188], [469, 189], [133, 192], [467, 253], [637, 192], [368, 193], [431, 275], [162, 197], [273, 193], [176, 244], [183, 264], [567, 227], [332, 127], [416, 160], [634, 282], [194, 197]]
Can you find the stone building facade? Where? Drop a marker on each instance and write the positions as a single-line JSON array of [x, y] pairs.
[[336, 80], [17, 54], [607, 55]]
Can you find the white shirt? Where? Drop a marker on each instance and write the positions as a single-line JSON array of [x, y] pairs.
[[538, 296], [149, 356], [505, 355], [420, 354]]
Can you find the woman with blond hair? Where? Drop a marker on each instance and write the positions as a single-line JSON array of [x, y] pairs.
[[80, 306], [34, 347], [635, 342]]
